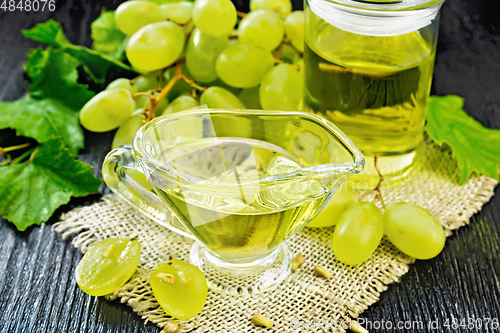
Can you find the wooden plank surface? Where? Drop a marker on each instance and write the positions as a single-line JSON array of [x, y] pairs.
[[37, 289]]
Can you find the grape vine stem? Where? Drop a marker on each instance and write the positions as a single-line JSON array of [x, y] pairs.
[[149, 113], [377, 188], [241, 14], [12, 148]]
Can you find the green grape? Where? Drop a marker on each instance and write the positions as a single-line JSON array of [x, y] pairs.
[[107, 110], [331, 212], [180, 288], [233, 41], [358, 233], [222, 84], [214, 17], [179, 12], [181, 103], [289, 54], [147, 82], [181, 86], [126, 132], [122, 83], [201, 55], [108, 265], [282, 7], [220, 98], [414, 230], [263, 28], [243, 65], [156, 46], [250, 97], [131, 16], [282, 89], [294, 28]]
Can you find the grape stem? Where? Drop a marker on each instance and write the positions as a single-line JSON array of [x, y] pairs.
[[278, 50], [278, 62], [149, 112], [12, 148], [377, 188], [241, 14], [192, 83]]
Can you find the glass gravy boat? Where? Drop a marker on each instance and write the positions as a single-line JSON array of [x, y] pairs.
[[240, 182]]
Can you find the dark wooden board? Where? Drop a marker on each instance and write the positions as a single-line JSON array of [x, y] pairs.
[[37, 289]]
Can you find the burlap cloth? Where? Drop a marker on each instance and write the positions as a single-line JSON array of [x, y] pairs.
[[303, 298]]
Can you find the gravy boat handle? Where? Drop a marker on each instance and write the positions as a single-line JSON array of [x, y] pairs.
[[125, 177]]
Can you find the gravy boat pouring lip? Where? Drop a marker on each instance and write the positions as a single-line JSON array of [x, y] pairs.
[[325, 169]]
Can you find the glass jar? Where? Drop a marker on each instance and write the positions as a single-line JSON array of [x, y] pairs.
[[368, 69]]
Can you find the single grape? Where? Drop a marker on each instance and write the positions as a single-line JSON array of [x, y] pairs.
[[107, 110], [358, 233], [131, 16], [122, 83], [263, 28], [282, 89], [217, 97], [214, 17], [179, 12], [201, 55], [126, 132], [282, 7], [181, 86], [294, 29], [181, 103], [243, 65], [414, 230], [180, 288], [108, 265], [289, 54], [155, 46], [250, 97], [331, 212], [222, 84], [147, 82]]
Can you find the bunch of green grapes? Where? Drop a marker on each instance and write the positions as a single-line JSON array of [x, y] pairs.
[[251, 64], [360, 225]]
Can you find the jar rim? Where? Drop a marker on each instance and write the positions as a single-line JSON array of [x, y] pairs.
[[385, 5]]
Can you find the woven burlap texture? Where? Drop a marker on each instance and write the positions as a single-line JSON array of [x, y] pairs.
[[303, 299]]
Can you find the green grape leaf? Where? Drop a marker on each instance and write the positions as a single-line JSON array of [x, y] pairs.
[[31, 191], [42, 119], [107, 38], [474, 146], [97, 65], [54, 74]]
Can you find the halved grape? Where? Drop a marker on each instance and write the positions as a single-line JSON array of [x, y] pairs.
[[155, 46], [358, 233], [330, 214], [263, 28], [179, 12], [130, 16], [107, 110], [243, 65], [122, 83], [282, 88], [294, 28], [250, 97], [181, 103], [282, 7], [217, 97], [214, 17], [126, 132], [180, 288], [201, 55], [108, 265], [414, 230]]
